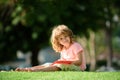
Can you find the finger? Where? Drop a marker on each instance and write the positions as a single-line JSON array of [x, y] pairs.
[[17, 69]]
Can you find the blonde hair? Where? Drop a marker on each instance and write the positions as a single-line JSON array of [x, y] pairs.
[[56, 32]]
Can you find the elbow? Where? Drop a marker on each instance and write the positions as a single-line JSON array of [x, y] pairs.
[[77, 63]]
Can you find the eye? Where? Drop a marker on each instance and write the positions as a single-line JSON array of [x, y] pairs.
[[60, 38], [66, 35]]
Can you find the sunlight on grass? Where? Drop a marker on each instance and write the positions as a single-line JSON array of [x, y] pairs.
[[59, 75]]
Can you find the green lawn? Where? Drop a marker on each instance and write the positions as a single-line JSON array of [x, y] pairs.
[[60, 75]]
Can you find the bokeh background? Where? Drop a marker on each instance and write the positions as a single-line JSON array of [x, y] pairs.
[[25, 30]]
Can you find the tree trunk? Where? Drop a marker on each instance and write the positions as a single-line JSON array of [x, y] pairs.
[[108, 34], [92, 51], [34, 58]]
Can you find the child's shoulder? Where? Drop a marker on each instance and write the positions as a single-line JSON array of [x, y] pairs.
[[76, 44], [76, 47]]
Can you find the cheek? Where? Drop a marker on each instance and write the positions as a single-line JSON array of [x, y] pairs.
[[60, 42], [68, 39]]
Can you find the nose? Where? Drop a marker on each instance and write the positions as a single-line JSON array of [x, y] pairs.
[[64, 40]]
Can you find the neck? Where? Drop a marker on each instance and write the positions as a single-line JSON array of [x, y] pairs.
[[66, 47]]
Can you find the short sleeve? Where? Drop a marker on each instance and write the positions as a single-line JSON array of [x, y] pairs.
[[77, 48]]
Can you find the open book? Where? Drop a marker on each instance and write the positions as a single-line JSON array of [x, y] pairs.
[[62, 62]]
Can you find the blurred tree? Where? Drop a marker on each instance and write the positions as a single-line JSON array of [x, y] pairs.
[[26, 24], [6, 48]]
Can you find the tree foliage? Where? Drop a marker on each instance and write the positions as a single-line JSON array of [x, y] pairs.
[[26, 24]]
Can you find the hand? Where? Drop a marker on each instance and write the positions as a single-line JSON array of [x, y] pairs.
[[82, 67]]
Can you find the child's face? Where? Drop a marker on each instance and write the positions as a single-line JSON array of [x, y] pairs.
[[64, 40]]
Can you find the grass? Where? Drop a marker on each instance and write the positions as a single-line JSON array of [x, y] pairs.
[[61, 75]]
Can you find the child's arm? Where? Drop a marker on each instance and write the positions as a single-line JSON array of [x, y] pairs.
[[81, 61], [83, 64]]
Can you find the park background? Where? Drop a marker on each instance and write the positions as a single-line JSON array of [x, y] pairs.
[[25, 30]]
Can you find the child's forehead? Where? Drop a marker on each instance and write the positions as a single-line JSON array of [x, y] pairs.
[[63, 35]]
